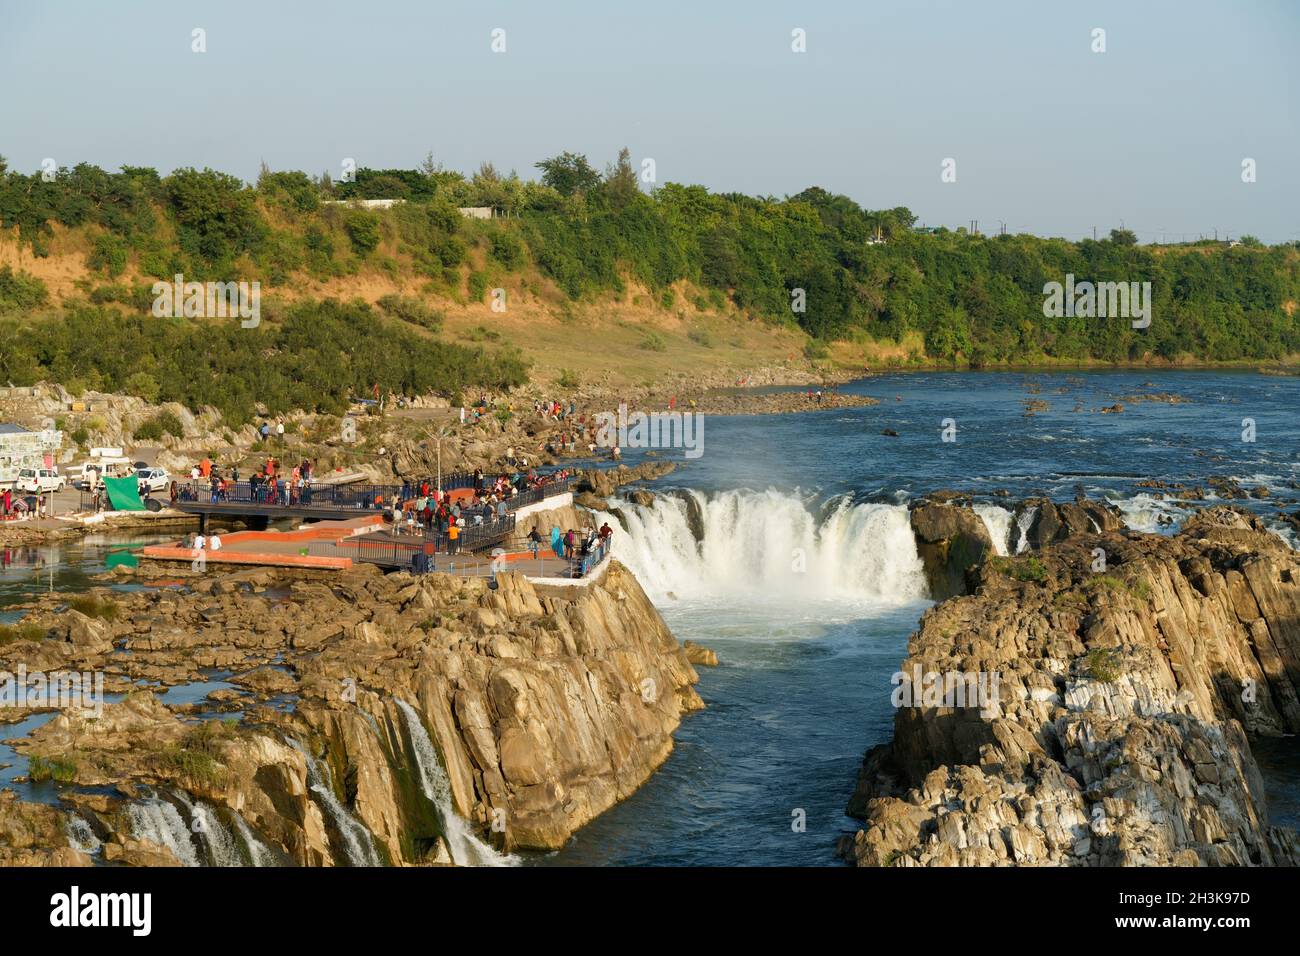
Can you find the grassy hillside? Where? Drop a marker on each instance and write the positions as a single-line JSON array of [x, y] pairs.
[[598, 277]]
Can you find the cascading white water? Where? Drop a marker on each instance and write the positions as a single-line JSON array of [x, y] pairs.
[[998, 522], [358, 845], [466, 848], [220, 844], [158, 821], [1023, 524], [258, 851], [80, 835], [769, 545]]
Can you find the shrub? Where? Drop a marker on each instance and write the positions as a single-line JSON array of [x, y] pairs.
[[196, 756], [144, 385], [1026, 569], [507, 249], [59, 769], [411, 310], [22, 632], [88, 604], [1102, 665], [478, 284], [653, 342], [814, 350], [162, 424], [19, 291], [362, 228], [108, 254]]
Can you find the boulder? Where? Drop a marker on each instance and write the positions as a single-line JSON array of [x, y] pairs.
[[950, 538]]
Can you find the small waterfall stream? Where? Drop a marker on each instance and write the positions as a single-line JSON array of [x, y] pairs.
[[466, 848]]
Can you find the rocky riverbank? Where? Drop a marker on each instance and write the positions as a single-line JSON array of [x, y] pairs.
[[1131, 669], [385, 719]]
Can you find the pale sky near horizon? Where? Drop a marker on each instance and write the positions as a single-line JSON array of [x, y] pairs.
[[1048, 136]]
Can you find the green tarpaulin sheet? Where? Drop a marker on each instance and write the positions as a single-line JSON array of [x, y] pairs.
[[124, 493]]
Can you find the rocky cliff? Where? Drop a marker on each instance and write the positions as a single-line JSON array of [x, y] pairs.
[[1130, 670], [385, 719]]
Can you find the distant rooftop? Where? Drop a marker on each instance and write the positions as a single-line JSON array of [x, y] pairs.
[[7, 428]]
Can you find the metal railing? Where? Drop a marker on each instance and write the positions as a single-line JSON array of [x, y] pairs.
[[588, 562], [399, 550], [473, 537], [372, 497]]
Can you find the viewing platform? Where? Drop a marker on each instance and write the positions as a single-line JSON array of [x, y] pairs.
[[351, 525], [320, 502]]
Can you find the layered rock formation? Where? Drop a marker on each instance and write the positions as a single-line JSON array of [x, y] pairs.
[[949, 539], [1130, 669], [1060, 521], [386, 719]]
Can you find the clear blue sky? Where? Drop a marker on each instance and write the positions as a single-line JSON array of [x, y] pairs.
[[1048, 136]]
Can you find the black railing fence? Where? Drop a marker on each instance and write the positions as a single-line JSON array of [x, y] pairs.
[[355, 496]]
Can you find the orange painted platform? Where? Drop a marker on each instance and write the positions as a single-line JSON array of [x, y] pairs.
[[279, 549], [165, 553]]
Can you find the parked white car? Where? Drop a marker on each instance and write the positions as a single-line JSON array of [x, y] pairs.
[[156, 479], [39, 480]]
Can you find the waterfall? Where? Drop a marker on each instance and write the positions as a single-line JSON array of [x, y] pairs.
[[80, 835], [258, 852], [221, 847], [998, 522], [358, 845], [770, 545], [1023, 523], [466, 848], [159, 822]]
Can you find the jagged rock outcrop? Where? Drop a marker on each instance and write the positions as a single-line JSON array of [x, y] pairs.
[[603, 482], [1060, 521], [1118, 735], [539, 707], [950, 538], [699, 655]]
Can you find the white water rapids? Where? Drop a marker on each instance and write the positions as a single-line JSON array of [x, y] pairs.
[[769, 546]]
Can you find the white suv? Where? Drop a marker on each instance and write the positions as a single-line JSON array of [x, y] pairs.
[[156, 479], [39, 480]]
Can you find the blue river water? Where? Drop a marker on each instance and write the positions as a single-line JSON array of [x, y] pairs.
[[807, 585], [806, 582]]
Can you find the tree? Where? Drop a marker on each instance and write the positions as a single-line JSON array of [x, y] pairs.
[[569, 173], [621, 184], [215, 214], [950, 336], [1123, 237]]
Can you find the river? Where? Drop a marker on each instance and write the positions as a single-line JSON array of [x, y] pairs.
[[807, 583]]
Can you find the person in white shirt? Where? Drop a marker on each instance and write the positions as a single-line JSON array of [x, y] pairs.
[[199, 542], [214, 543]]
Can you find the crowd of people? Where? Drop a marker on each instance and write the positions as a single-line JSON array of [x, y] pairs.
[[573, 544], [420, 507], [14, 505], [271, 483]]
